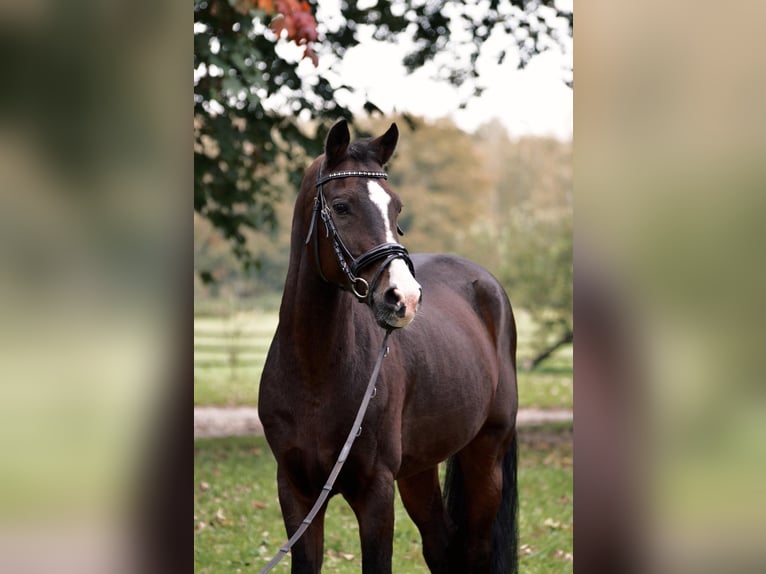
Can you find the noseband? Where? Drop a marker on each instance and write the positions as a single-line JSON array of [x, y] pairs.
[[349, 264]]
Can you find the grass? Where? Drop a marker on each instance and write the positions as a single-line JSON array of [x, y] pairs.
[[550, 384], [229, 353], [238, 524]]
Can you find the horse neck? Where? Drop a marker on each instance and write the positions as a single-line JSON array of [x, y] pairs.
[[317, 318]]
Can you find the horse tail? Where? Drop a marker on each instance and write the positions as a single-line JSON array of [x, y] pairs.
[[455, 502], [505, 534], [505, 530]]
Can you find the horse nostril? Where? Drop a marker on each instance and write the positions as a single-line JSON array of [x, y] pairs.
[[420, 299], [391, 297]]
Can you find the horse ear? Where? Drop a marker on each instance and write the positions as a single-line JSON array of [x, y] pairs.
[[386, 144], [337, 143]]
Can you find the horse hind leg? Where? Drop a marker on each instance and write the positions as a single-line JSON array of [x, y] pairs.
[[422, 498], [480, 491], [473, 498]]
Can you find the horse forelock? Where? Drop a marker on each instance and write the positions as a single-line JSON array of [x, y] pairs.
[[361, 151]]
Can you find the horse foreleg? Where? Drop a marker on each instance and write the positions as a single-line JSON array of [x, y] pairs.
[[422, 497], [308, 551], [373, 505]]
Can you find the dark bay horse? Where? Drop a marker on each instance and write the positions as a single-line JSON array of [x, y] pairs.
[[446, 391]]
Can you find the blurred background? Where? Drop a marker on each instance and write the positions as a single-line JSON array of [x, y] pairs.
[[483, 101], [95, 167], [669, 195], [96, 316]]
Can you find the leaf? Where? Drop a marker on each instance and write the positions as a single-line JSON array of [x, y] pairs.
[[371, 108], [220, 518], [554, 524], [526, 550], [231, 85]]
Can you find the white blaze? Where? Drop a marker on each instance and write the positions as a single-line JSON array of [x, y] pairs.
[[399, 274], [381, 199]]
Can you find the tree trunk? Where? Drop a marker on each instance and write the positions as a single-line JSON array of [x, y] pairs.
[[565, 339]]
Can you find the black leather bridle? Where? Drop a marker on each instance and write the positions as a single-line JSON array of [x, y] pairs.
[[349, 264]]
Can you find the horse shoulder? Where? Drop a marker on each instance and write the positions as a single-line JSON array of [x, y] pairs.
[[275, 409]]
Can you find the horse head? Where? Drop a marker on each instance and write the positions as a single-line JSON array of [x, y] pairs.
[[358, 248]]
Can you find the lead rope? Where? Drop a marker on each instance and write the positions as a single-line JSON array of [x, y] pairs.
[[355, 431]]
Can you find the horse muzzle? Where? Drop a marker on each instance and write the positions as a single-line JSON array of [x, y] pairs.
[[396, 302]]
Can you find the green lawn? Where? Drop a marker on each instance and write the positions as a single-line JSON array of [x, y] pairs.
[[238, 525], [550, 384], [229, 353]]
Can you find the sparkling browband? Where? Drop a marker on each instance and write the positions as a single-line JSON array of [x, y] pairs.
[[342, 174]]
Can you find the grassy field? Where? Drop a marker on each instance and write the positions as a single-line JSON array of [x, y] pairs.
[[237, 521], [238, 525], [229, 353]]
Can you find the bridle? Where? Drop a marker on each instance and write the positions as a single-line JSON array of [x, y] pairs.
[[350, 265]]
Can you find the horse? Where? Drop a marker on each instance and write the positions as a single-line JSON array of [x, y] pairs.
[[446, 390]]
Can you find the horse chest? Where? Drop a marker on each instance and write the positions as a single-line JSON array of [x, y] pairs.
[[310, 450]]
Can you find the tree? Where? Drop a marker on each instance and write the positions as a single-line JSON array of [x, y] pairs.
[[539, 273], [255, 116], [527, 236], [441, 181]]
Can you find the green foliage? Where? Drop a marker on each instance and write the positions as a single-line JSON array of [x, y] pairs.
[[239, 144], [439, 176], [537, 271], [527, 234], [255, 117]]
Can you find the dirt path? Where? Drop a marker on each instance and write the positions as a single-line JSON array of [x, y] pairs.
[[212, 422]]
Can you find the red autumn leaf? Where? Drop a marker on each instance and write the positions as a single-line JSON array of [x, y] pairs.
[[265, 5]]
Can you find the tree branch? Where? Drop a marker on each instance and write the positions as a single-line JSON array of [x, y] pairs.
[[564, 340]]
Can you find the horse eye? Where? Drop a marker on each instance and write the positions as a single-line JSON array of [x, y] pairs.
[[341, 207]]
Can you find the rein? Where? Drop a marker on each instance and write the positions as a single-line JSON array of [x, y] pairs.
[[385, 251], [356, 430]]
